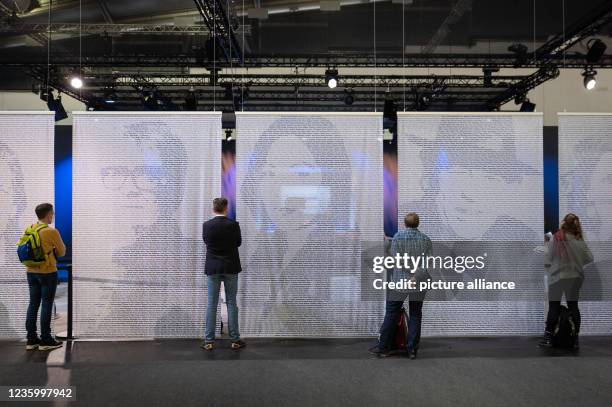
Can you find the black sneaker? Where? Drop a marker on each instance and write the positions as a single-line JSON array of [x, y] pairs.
[[32, 344], [546, 341], [239, 344], [49, 345], [381, 353], [576, 343], [412, 354]]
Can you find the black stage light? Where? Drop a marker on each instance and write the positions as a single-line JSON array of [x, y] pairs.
[[55, 104], [191, 100], [389, 112], [597, 48], [422, 102], [527, 106], [110, 96], [589, 80], [348, 97], [520, 98], [331, 78], [149, 100]]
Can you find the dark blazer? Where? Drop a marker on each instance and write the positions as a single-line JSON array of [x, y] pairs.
[[222, 238]]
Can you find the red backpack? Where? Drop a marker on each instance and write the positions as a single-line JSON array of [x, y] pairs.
[[401, 333]]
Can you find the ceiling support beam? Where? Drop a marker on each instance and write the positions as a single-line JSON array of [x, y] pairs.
[[548, 55], [218, 21]]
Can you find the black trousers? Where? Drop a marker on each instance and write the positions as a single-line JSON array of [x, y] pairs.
[[571, 289], [389, 325]]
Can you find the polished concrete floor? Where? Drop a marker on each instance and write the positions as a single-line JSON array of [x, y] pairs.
[[470, 372]]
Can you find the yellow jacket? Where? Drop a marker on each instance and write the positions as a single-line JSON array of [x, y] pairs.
[[53, 246]]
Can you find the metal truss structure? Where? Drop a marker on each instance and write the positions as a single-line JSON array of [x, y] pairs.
[[303, 92], [169, 78], [306, 80], [194, 59], [217, 19], [111, 29]]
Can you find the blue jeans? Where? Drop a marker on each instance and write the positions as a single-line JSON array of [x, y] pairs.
[[230, 282], [389, 326], [42, 290]]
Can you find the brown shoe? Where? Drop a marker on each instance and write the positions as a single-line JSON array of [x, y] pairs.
[[208, 346], [239, 344]]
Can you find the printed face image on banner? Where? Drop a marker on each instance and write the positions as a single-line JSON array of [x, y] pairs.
[[26, 180], [474, 179], [308, 194], [585, 189], [142, 186]]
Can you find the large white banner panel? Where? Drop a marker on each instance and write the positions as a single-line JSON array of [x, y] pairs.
[[476, 178], [26, 180], [585, 189], [143, 183], [309, 191]]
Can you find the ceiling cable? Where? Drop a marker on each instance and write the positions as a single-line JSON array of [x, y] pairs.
[[375, 68], [404, 50]]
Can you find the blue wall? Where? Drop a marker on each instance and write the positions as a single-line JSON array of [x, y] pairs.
[[551, 179], [63, 184]]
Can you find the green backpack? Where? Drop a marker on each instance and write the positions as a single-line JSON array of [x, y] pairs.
[[29, 247]]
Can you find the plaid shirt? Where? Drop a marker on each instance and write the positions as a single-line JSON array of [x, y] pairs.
[[414, 243]]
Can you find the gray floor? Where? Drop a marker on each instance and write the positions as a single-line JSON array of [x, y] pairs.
[[449, 372]]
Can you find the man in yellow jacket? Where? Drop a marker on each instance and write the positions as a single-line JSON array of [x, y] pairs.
[[42, 281]]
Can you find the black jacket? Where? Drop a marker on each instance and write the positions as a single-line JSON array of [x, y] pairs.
[[222, 238]]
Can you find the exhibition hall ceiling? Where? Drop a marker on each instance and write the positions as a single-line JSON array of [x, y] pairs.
[[300, 26], [156, 55]]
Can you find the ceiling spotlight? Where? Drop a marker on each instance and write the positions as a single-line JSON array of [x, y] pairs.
[[76, 82], [597, 48], [110, 96], [389, 112], [331, 78], [589, 78], [520, 98], [423, 102], [151, 100], [191, 100], [348, 97], [55, 104]]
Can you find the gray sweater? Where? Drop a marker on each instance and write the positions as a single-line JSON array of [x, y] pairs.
[[566, 259]]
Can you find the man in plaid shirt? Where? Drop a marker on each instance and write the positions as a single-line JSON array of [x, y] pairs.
[[412, 242]]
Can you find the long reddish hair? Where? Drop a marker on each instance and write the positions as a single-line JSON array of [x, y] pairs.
[[570, 224]]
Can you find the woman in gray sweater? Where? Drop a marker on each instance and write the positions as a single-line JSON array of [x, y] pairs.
[[566, 256]]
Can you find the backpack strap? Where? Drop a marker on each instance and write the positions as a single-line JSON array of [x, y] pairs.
[[33, 232]]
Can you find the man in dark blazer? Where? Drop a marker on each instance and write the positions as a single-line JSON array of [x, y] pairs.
[[222, 238]]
